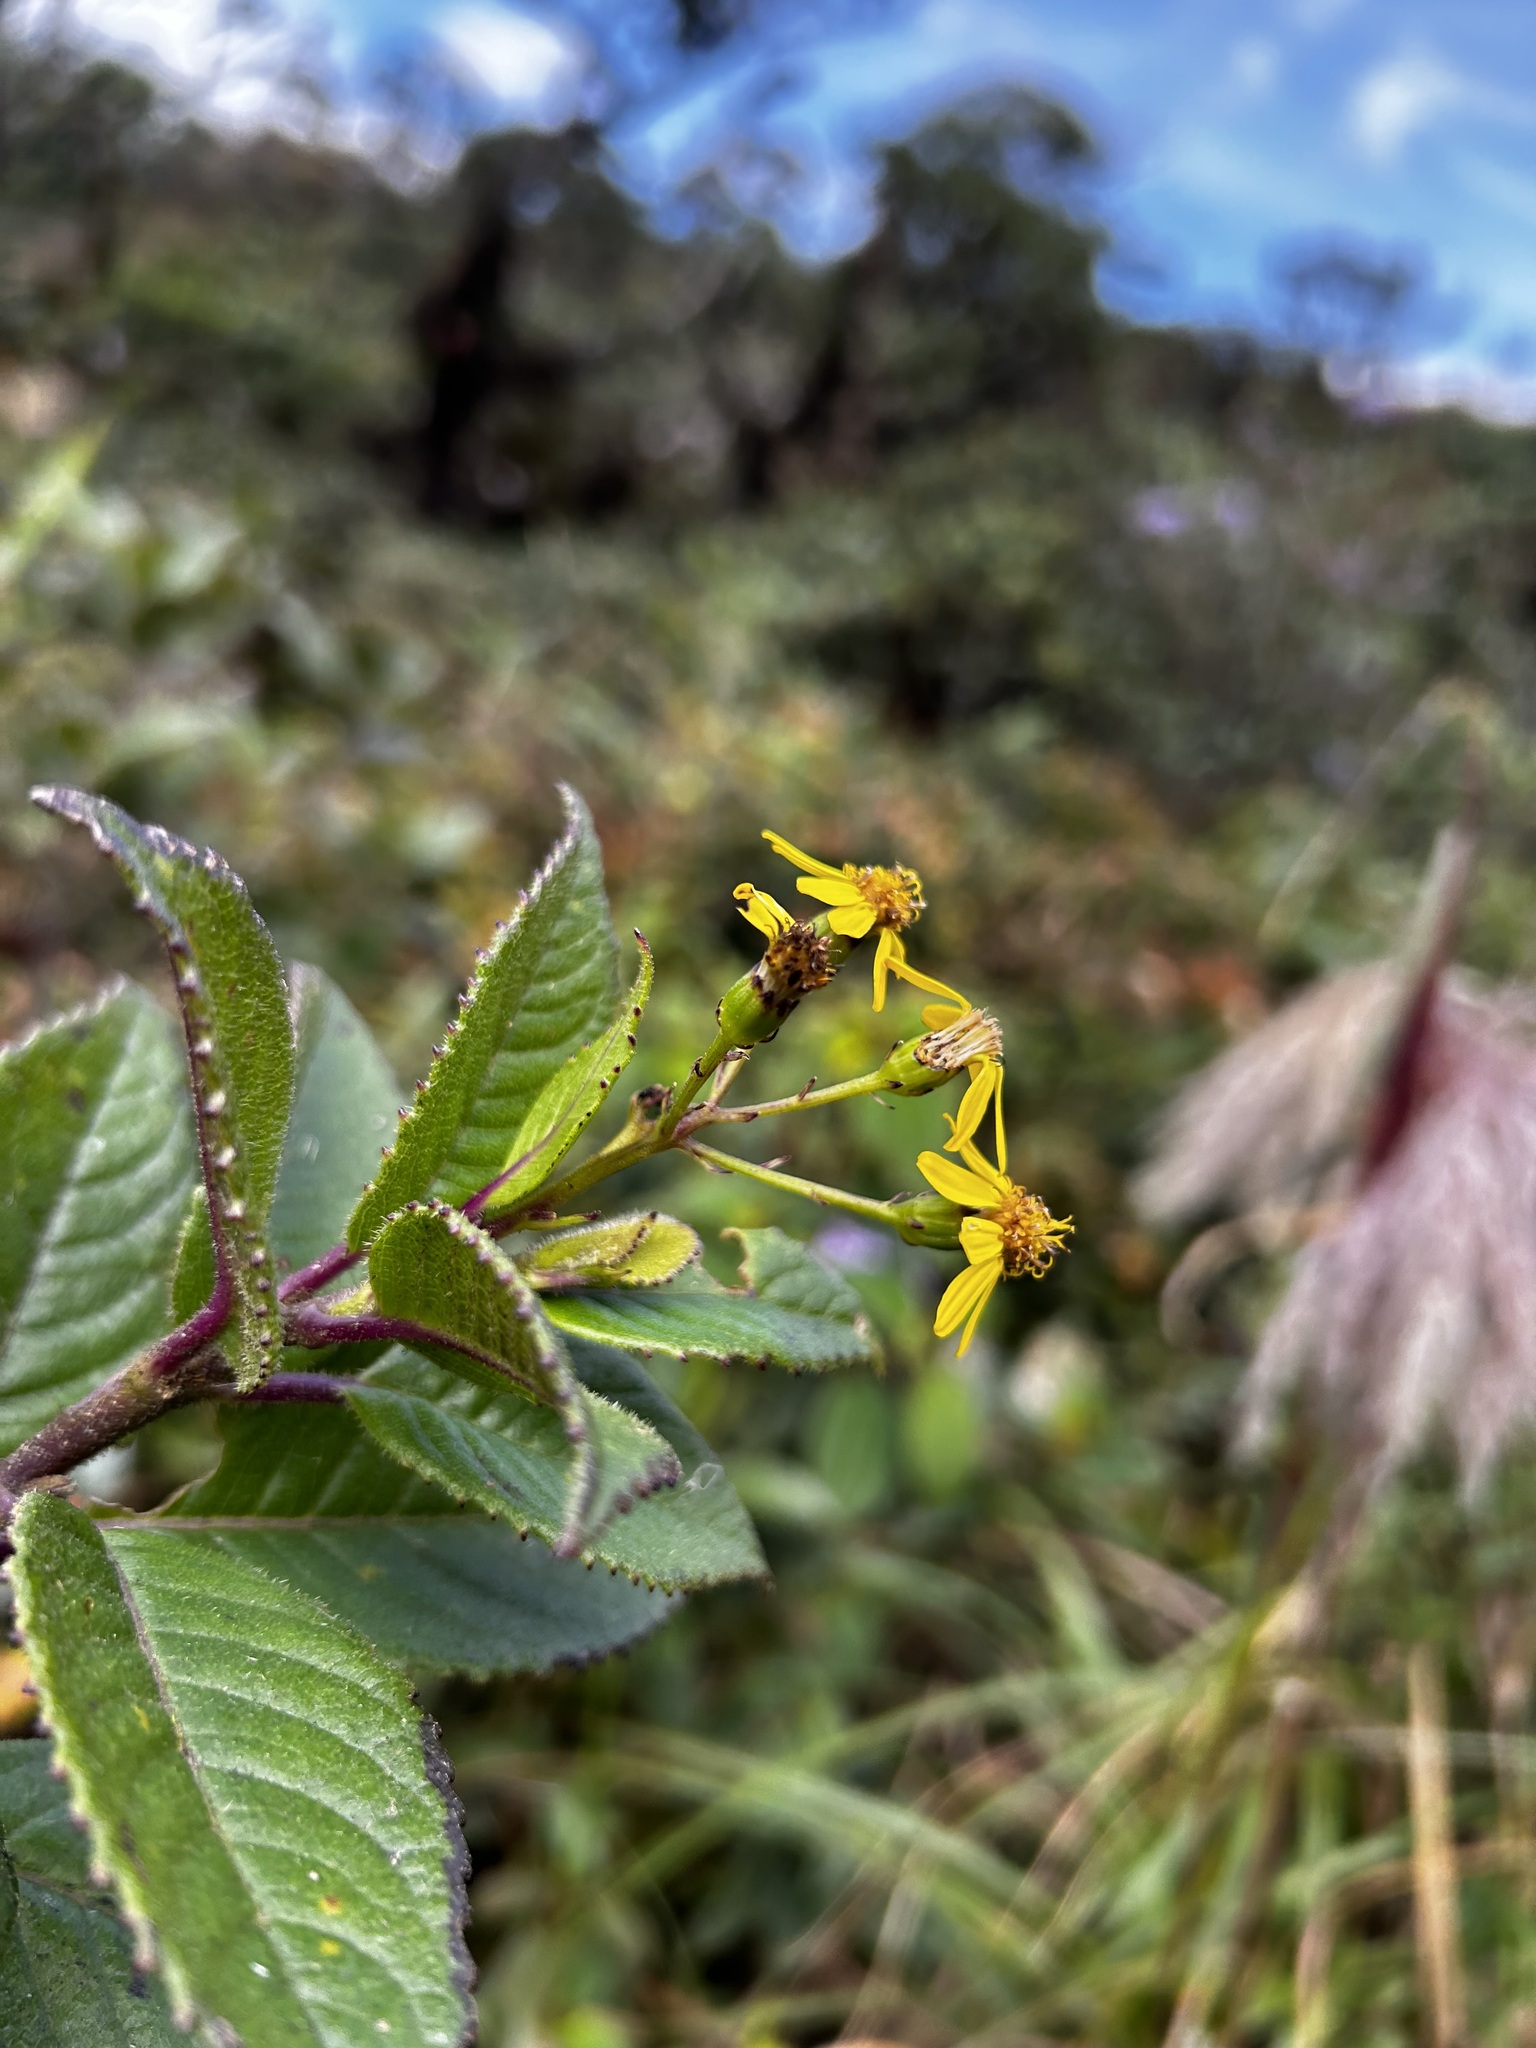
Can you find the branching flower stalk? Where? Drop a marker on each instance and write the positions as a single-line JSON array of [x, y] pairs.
[[1004, 1230]]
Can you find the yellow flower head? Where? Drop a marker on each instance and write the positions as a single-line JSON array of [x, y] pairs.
[[1011, 1232], [861, 900]]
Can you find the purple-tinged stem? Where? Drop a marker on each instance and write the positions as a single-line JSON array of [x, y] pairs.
[[175, 1350], [317, 1274], [128, 1400], [296, 1386]]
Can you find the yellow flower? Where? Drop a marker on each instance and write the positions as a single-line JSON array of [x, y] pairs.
[[1011, 1233], [861, 900]]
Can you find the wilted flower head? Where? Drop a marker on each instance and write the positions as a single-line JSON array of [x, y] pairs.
[[1418, 1303], [1270, 1121]]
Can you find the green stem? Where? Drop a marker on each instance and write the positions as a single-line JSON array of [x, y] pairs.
[[808, 1098], [682, 1101], [792, 1184]]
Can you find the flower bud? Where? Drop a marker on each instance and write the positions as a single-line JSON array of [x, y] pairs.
[[927, 1220]]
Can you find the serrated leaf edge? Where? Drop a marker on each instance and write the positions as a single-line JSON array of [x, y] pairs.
[[505, 930]]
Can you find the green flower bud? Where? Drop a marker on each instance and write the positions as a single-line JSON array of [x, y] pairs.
[[928, 1220]]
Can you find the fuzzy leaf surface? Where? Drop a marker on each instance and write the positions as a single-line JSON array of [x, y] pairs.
[[698, 1534], [569, 1100], [344, 1108], [67, 1974], [690, 1534], [96, 1163], [621, 1251], [546, 986], [225, 1738], [791, 1311], [309, 1497], [432, 1266], [234, 1003], [496, 1453]]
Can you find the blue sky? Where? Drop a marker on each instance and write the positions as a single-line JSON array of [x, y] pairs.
[[1231, 131]]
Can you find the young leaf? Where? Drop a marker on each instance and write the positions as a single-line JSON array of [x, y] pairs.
[[691, 1532], [344, 1106], [235, 1009], [570, 1099], [792, 1311], [67, 1973], [432, 1267], [545, 986], [621, 1251], [496, 1453], [307, 1496], [96, 1161], [699, 1534], [197, 1263], [261, 1789]]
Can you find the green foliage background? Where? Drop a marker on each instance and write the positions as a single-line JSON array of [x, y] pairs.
[[1092, 626]]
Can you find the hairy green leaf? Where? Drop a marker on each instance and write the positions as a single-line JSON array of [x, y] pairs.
[[234, 1003], [621, 1251], [570, 1099], [67, 1973], [344, 1107], [694, 1533], [791, 1311], [260, 1787], [698, 1534], [431, 1266], [96, 1160], [308, 1496], [197, 1263], [545, 986], [499, 1454]]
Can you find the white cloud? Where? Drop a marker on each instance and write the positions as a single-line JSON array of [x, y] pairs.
[[1400, 98], [1434, 382], [515, 57], [1255, 65]]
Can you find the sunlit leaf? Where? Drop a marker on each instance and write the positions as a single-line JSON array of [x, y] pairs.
[[791, 1311], [261, 1789]]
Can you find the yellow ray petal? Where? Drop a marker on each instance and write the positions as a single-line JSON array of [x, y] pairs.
[[1002, 1133], [888, 955], [808, 861], [937, 1015], [852, 920], [966, 1296], [832, 889], [970, 1329], [935, 988], [979, 1164], [981, 1239], [986, 1079], [955, 1183], [761, 910]]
